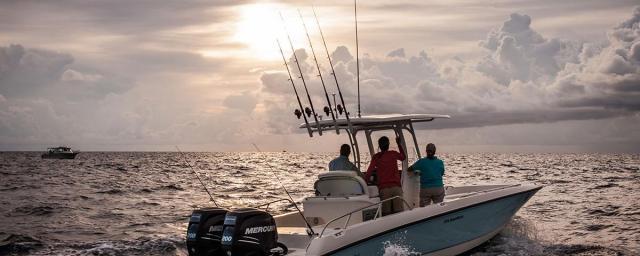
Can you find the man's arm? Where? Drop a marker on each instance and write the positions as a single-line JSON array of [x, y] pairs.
[[412, 168], [369, 169]]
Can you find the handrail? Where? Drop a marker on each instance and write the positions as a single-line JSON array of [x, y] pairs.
[[463, 195], [360, 209]]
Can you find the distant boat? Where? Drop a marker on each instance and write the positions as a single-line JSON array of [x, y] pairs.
[[60, 153]]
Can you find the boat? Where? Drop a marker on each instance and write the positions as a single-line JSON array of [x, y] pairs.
[[60, 153], [343, 217]]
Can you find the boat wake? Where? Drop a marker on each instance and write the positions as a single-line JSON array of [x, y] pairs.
[[521, 237], [392, 249]]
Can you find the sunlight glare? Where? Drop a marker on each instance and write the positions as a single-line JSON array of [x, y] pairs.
[[260, 25]]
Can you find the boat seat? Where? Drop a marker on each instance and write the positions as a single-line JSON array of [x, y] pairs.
[[338, 193], [340, 184]]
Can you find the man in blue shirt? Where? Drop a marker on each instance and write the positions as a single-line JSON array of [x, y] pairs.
[[431, 170], [342, 162]]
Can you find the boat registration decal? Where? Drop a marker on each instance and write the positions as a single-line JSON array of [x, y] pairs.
[[453, 218]]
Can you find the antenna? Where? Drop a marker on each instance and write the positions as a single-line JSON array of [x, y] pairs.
[[313, 111], [333, 71], [319, 73], [295, 91], [184, 157], [355, 15]]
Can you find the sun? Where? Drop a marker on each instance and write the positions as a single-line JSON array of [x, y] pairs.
[[260, 25]]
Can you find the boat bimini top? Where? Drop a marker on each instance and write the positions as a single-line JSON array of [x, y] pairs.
[[371, 123]]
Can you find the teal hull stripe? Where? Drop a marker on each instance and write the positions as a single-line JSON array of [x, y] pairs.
[[445, 230]]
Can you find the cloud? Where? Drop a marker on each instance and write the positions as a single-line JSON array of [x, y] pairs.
[[73, 75], [23, 71], [27, 73], [518, 52], [126, 74], [523, 78], [245, 102], [611, 78]]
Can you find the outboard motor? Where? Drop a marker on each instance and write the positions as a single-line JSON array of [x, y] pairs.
[[249, 231], [205, 232]]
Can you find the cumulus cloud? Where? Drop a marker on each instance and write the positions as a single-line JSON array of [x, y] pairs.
[[517, 52], [609, 79], [524, 77]]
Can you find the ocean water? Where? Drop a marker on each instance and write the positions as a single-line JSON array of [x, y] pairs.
[[134, 203]]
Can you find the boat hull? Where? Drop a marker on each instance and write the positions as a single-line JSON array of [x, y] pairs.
[[449, 233], [60, 156]]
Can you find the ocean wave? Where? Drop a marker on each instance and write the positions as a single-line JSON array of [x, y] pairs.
[[113, 191], [33, 210], [588, 199], [18, 244], [169, 246]]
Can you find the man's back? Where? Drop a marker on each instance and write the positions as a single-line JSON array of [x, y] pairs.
[[431, 172], [342, 163], [386, 165]]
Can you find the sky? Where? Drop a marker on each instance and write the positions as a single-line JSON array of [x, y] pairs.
[[515, 76]]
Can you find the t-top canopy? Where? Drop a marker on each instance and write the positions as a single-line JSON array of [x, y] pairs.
[[375, 120]]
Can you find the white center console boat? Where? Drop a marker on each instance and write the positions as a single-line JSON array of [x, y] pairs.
[[343, 217]]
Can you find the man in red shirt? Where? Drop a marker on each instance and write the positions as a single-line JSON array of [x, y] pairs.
[[385, 165]]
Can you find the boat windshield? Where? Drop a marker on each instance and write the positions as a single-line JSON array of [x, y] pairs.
[[338, 187]]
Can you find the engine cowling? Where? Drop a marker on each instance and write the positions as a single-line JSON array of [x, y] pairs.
[[249, 231], [204, 232]]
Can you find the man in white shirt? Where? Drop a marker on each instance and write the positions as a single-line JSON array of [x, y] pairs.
[[342, 163]]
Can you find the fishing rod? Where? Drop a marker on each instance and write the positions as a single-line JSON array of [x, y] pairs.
[[301, 111], [184, 157], [355, 15], [329, 108], [310, 232], [313, 111], [333, 71], [335, 77]]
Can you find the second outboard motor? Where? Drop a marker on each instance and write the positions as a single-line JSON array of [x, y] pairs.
[[205, 231], [249, 231]]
